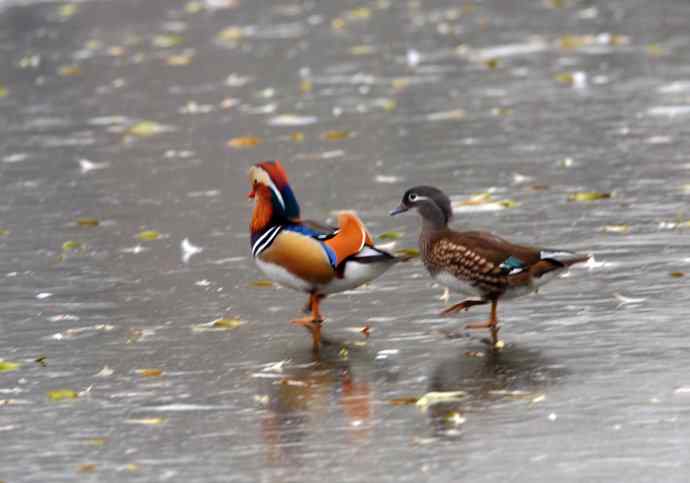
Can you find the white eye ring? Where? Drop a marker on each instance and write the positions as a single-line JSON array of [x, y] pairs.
[[412, 197]]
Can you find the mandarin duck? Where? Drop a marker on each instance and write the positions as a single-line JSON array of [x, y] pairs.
[[477, 263], [304, 255]]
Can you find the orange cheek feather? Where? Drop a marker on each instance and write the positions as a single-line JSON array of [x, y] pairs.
[[263, 210]]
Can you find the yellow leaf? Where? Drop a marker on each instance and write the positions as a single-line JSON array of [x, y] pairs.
[[4, 232], [400, 83], [3, 90], [132, 467], [148, 235], [147, 421], [589, 196], [149, 372], [306, 86], [230, 34], [7, 366], [87, 222], [362, 50], [297, 137], [338, 24], [677, 274], [336, 135], [361, 13], [653, 50], [67, 10], [70, 246], [390, 235], [491, 63], [180, 59], [69, 71], [87, 468], [617, 228], [144, 129], [166, 41], [244, 142], [226, 323], [96, 441], [575, 41], [565, 78], [262, 283], [194, 7], [407, 253], [60, 394]]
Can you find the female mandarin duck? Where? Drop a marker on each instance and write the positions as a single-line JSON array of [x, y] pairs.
[[477, 263], [304, 255]]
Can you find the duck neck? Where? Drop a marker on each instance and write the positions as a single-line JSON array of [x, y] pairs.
[[433, 218]]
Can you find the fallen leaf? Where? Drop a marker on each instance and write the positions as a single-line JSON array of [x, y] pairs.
[[7, 366], [403, 401], [435, 397], [264, 283], [588, 196], [87, 468], [148, 235], [4, 232], [179, 59], [60, 394], [87, 222], [70, 246], [244, 142], [677, 274], [491, 63], [147, 421], [306, 86], [95, 441], [226, 323], [297, 137], [454, 115], [407, 253], [149, 372], [335, 135], [231, 34], [454, 418], [144, 129], [68, 10], [390, 235], [41, 361], [132, 467], [69, 71], [3, 90], [166, 41], [617, 228]]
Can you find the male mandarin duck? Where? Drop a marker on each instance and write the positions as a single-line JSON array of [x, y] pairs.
[[304, 255], [477, 263]]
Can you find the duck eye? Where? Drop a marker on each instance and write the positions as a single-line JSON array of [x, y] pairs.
[[412, 197]]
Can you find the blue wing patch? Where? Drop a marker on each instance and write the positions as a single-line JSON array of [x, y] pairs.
[[512, 266], [319, 236]]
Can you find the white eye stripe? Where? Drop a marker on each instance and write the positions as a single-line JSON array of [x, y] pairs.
[[415, 197], [276, 191]]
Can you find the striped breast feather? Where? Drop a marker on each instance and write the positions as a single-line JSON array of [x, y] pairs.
[[264, 240]]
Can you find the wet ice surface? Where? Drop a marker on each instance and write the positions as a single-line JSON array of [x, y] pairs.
[[123, 111]]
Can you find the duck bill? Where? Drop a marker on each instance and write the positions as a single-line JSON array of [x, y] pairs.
[[398, 210]]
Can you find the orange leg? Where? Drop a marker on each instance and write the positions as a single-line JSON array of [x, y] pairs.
[[464, 305], [313, 323], [491, 324]]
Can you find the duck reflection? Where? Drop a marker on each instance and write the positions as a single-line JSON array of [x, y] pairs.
[[488, 377], [328, 393]]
